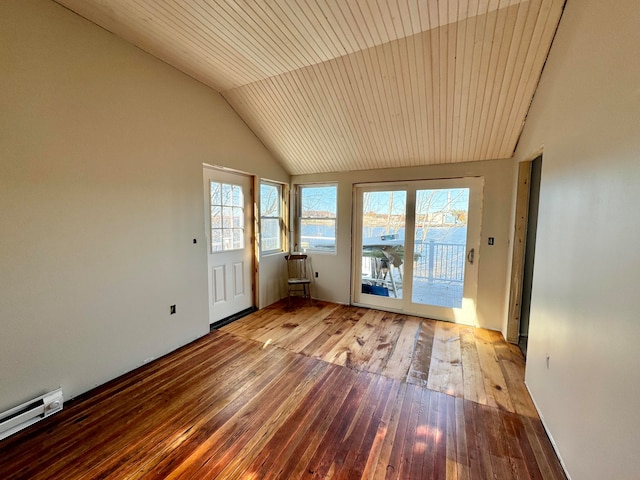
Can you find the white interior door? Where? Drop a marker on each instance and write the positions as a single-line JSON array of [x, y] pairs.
[[228, 222], [416, 248]]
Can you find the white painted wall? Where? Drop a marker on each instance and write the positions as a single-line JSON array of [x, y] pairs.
[[586, 298], [333, 282], [100, 199]]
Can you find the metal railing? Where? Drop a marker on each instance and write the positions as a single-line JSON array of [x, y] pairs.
[[433, 262], [437, 261]]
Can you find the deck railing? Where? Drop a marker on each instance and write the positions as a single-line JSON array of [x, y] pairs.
[[438, 261], [433, 262]]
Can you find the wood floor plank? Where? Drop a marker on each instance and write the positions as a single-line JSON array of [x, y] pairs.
[[251, 322], [414, 445], [387, 338], [351, 446], [230, 406], [421, 361], [382, 429], [305, 445], [494, 382], [177, 425], [285, 440], [307, 324], [515, 454], [445, 370], [305, 341], [293, 323], [452, 461], [274, 410], [463, 445], [440, 462], [380, 469], [218, 415], [423, 460], [399, 361], [341, 327], [90, 424], [345, 351], [268, 330], [397, 460], [404, 350], [374, 340], [512, 365], [322, 459], [545, 457], [472, 377], [353, 455]]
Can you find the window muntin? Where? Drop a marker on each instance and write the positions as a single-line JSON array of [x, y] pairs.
[[227, 217], [271, 221], [318, 211]]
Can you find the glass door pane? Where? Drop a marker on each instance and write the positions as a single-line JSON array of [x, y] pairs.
[[440, 246], [383, 219]]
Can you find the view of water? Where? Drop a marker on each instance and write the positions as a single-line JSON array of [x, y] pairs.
[[437, 234], [456, 235]]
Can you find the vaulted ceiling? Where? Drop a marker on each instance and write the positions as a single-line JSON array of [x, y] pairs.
[[338, 85]]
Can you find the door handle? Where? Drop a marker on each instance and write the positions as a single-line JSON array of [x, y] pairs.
[[471, 255]]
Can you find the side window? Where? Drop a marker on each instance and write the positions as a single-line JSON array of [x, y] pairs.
[[271, 218], [318, 209]]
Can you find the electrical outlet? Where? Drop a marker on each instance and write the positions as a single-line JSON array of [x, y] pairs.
[[172, 309], [316, 274], [491, 240]]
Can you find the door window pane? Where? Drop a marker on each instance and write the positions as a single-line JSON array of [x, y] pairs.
[[440, 246], [227, 217], [383, 228]]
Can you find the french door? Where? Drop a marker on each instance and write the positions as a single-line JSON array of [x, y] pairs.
[[228, 222], [415, 247]]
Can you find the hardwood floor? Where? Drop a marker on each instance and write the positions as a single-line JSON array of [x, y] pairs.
[[283, 395], [459, 360]]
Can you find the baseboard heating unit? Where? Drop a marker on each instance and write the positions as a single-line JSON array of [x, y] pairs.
[[28, 413]]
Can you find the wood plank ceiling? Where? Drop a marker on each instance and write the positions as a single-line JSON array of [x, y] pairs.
[[339, 85]]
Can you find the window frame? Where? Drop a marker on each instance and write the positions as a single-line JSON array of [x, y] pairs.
[[300, 218], [280, 217]]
